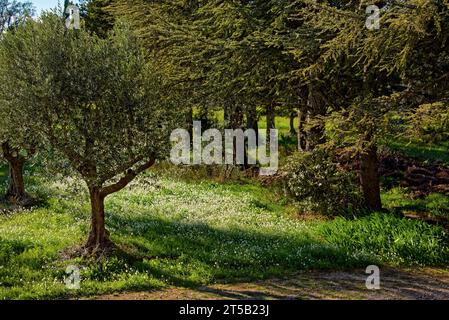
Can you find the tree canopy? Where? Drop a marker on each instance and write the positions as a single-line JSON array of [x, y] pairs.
[[98, 103]]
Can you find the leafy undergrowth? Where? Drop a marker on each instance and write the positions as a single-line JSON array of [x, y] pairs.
[[433, 205], [182, 233]]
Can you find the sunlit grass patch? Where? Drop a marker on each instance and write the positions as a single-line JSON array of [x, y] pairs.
[[389, 238], [434, 204]]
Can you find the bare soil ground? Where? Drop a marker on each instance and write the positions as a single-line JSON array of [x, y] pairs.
[[400, 284]]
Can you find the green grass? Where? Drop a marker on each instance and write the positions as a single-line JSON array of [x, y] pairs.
[[390, 238], [192, 231], [435, 204], [426, 152], [281, 123], [172, 231]]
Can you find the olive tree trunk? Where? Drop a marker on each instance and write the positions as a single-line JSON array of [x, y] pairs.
[[99, 236], [15, 193], [99, 239], [16, 186]]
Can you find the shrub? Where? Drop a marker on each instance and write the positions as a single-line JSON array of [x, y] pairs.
[[318, 184]]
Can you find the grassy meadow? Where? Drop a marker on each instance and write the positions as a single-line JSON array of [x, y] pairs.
[[177, 227]]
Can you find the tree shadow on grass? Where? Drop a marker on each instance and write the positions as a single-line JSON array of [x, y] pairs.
[[10, 250], [193, 254]]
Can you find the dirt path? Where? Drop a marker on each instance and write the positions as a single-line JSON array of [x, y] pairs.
[[395, 284]]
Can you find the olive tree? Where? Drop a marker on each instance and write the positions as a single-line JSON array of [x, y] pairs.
[[98, 103], [15, 145]]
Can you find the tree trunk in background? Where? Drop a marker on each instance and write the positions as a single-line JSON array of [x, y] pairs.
[[369, 178], [270, 119], [226, 114], [316, 105], [233, 119], [99, 237], [301, 133], [189, 122], [204, 118], [16, 186], [233, 115], [251, 123], [15, 193], [308, 135], [251, 119], [292, 123]]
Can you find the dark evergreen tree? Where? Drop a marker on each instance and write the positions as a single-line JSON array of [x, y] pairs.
[[96, 16]]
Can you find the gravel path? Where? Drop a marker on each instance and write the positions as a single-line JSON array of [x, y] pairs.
[[410, 284]]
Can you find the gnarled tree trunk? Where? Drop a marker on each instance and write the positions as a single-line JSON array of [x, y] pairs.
[[15, 193], [369, 178], [99, 240], [16, 185], [99, 236]]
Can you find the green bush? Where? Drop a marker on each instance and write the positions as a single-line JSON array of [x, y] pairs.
[[389, 238], [318, 184]]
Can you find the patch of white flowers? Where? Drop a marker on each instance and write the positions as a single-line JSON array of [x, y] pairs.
[[215, 205]]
